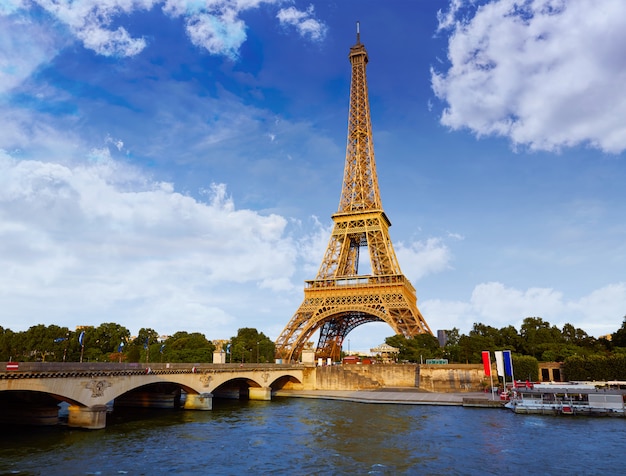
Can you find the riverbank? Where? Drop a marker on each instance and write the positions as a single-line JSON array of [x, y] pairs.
[[405, 396]]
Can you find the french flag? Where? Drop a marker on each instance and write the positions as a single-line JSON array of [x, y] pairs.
[[487, 362], [508, 363], [499, 362]]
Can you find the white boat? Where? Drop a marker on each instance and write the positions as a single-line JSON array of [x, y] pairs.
[[568, 399]]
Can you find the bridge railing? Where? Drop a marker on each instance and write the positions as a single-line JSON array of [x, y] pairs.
[[130, 367]]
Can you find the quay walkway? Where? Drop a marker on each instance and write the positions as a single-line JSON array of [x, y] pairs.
[[406, 396]]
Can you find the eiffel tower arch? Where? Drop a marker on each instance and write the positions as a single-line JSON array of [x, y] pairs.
[[340, 299]]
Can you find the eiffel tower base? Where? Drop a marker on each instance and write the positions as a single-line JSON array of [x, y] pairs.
[[334, 307]]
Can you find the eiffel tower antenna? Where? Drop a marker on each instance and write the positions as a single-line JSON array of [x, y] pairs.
[[340, 299]]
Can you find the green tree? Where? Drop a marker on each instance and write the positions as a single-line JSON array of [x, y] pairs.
[[108, 337], [480, 338], [143, 347], [146, 341], [15, 345], [452, 349], [559, 352], [147, 336], [71, 347], [42, 343], [249, 345], [186, 347], [525, 367], [489, 333], [61, 344], [103, 341], [618, 338], [8, 342], [417, 348], [508, 338], [133, 353], [538, 336], [469, 350], [91, 351], [574, 335]]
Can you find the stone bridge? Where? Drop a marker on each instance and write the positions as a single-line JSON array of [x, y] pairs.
[[30, 392]]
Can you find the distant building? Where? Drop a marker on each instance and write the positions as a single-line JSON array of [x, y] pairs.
[[442, 337], [386, 353]]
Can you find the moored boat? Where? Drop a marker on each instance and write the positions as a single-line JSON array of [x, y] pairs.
[[569, 399]]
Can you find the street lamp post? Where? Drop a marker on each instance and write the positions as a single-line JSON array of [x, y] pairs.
[[67, 340]]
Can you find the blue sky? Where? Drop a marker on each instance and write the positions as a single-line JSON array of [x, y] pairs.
[[174, 164]]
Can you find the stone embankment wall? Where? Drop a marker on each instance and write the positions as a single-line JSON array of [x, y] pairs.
[[434, 378], [453, 378], [361, 377]]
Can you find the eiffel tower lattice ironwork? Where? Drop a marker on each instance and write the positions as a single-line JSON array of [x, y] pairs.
[[340, 299]]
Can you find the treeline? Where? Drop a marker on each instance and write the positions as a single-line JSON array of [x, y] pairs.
[[584, 357], [111, 342]]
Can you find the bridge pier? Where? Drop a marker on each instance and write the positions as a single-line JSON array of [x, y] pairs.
[[260, 393], [199, 401], [92, 418]]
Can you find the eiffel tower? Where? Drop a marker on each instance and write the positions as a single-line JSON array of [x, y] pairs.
[[340, 299]]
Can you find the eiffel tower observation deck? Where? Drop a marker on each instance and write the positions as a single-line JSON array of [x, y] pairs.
[[340, 299]]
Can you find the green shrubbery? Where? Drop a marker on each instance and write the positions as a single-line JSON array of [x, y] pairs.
[[596, 367]]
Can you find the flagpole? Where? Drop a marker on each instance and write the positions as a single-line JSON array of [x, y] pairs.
[[508, 366], [487, 368], [81, 341], [500, 367]]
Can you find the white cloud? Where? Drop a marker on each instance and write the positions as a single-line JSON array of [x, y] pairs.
[[448, 19], [546, 74], [24, 45], [110, 43], [214, 25], [600, 307], [99, 242], [419, 259], [600, 312], [303, 21], [442, 314], [89, 21], [222, 34], [313, 246], [8, 7], [25, 132], [496, 303]]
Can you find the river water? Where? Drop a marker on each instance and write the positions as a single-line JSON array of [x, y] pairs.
[[320, 437]]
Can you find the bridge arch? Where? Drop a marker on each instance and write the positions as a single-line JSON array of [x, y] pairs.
[[90, 388]]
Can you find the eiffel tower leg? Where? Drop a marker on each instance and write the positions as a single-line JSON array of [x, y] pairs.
[[292, 339], [335, 310]]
